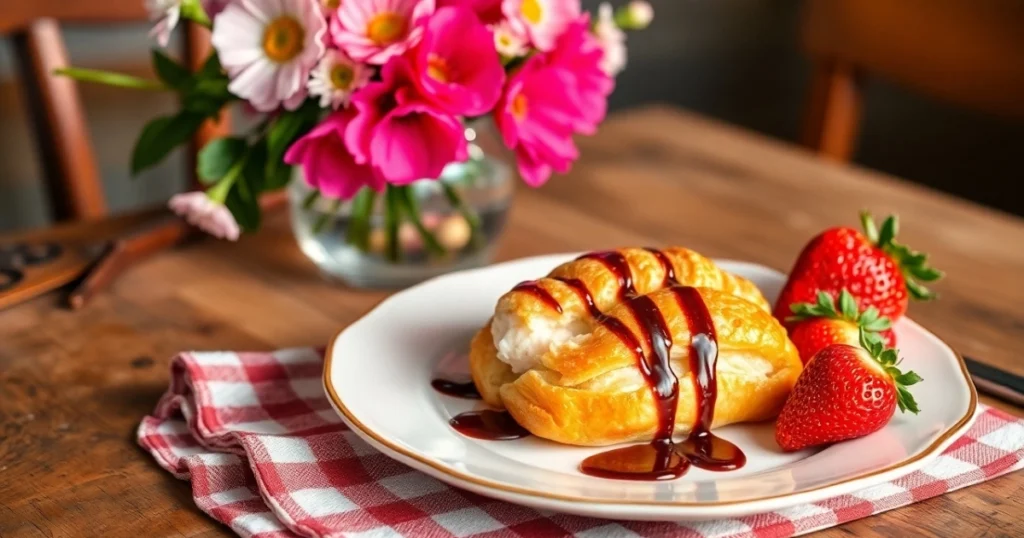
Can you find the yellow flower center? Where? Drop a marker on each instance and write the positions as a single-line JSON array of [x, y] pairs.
[[386, 28], [331, 4], [518, 107], [437, 68], [282, 40], [342, 76], [532, 11]]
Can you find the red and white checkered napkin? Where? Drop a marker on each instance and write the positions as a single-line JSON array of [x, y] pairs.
[[268, 457]]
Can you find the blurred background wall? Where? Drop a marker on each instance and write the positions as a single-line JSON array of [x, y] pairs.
[[735, 60]]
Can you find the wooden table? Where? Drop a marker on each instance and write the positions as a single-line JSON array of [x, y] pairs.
[[73, 385]]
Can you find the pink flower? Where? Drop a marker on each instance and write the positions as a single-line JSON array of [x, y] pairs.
[[202, 212], [579, 53], [489, 11], [326, 162], [456, 66], [374, 31], [535, 117], [542, 20], [402, 136]]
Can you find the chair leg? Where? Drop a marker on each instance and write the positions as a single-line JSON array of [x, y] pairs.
[[57, 114], [833, 110]]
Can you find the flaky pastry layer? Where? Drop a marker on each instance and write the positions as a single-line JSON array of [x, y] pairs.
[[587, 389]]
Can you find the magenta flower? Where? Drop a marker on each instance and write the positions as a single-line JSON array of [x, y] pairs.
[[400, 134], [456, 66], [326, 162], [373, 32], [535, 117], [580, 54], [489, 11]]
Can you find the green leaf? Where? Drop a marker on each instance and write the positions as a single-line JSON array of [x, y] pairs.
[[244, 205], [848, 305], [908, 378], [211, 67], [283, 132], [868, 223], [110, 79], [927, 274], [161, 136], [877, 325], [254, 173], [218, 156], [919, 292], [889, 230], [169, 71], [906, 401]]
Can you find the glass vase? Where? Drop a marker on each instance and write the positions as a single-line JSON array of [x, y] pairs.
[[407, 234]]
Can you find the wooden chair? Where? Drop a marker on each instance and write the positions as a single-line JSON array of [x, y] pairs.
[[966, 52], [69, 165]]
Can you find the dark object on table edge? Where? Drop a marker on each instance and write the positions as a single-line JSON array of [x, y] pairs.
[[996, 382], [91, 256]]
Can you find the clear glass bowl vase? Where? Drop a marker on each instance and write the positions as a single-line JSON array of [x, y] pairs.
[[359, 242]]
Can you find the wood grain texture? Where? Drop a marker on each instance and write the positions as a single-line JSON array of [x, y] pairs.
[[73, 385]]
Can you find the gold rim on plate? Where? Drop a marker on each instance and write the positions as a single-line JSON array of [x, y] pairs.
[[486, 483]]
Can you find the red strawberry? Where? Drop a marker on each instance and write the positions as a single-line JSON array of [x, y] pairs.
[[818, 325], [878, 271], [844, 392]]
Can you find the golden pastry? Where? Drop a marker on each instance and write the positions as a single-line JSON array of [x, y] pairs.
[[570, 355]]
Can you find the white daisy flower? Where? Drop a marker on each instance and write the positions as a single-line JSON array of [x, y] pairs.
[[336, 77], [268, 48], [612, 40], [508, 42]]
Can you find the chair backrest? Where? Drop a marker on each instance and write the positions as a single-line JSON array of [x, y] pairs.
[[54, 107], [966, 52]]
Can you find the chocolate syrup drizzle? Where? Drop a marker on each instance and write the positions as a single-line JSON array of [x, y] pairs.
[[459, 389], [488, 424], [662, 458]]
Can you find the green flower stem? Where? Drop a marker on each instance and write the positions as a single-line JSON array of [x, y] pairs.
[[219, 192], [323, 219], [310, 199], [358, 233], [475, 235], [412, 210], [110, 79], [392, 219]]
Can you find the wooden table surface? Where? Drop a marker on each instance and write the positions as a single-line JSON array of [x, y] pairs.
[[73, 385]]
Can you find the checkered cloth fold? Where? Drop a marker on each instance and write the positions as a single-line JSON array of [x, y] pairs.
[[268, 457]]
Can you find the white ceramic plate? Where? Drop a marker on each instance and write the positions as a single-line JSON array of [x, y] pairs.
[[378, 374]]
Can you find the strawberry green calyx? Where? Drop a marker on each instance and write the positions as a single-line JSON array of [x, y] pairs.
[[868, 321], [913, 264], [889, 360]]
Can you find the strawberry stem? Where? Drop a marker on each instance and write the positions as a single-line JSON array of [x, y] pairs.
[[913, 264], [825, 307], [889, 359]]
